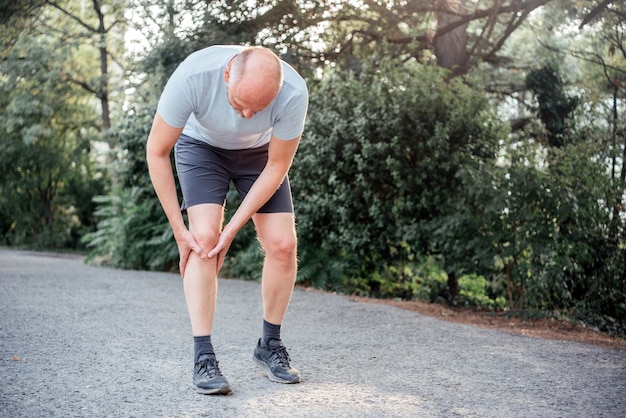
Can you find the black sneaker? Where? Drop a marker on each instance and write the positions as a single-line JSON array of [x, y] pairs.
[[274, 359], [207, 377]]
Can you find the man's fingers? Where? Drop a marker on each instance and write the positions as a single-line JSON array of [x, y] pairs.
[[186, 245], [220, 262], [198, 250], [183, 263], [213, 253]]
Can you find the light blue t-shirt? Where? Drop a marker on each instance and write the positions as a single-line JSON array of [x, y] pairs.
[[196, 97]]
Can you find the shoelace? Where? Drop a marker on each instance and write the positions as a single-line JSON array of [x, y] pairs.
[[279, 355], [210, 367]]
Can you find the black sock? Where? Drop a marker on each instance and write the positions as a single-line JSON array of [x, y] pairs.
[[270, 332], [202, 345]]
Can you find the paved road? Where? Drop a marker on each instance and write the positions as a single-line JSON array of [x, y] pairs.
[[77, 340]]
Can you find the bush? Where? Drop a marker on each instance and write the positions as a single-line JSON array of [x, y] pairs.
[[538, 227], [377, 164], [132, 233], [474, 291]]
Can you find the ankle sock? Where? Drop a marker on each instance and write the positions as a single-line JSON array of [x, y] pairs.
[[270, 332], [202, 345]]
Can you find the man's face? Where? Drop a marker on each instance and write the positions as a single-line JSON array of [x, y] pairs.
[[243, 108]]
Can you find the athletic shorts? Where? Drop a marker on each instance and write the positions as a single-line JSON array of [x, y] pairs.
[[205, 173]]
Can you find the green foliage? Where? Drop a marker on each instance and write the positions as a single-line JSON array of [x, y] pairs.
[[132, 233], [245, 258], [474, 290], [378, 162], [433, 281], [15, 13], [244, 263], [48, 175], [132, 134], [318, 269], [540, 231], [425, 281], [554, 106], [288, 27]]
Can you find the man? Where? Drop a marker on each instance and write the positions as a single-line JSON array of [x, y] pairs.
[[231, 114]]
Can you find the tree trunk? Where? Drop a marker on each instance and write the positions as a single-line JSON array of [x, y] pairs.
[[453, 287], [618, 199], [450, 46], [104, 69]]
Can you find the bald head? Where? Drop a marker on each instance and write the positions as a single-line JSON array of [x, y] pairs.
[[254, 78]]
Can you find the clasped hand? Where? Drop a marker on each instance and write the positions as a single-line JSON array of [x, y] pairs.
[[187, 244]]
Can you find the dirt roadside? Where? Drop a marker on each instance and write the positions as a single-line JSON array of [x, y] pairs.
[[549, 328]]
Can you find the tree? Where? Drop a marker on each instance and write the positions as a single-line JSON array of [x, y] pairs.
[[74, 27], [547, 212], [554, 107], [48, 175], [456, 35], [15, 15]]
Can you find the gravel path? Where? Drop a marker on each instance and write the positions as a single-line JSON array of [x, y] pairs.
[[77, 340]]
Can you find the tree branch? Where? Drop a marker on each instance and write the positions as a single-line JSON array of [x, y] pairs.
[[595, 12], [72, 16], [527, 6], [595, 59], [80, 83]]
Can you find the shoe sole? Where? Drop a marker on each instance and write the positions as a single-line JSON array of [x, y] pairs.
[[224, 390], [271, 375]]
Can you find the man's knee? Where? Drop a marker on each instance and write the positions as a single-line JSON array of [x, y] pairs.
[[204, 224], [281, 247], [206, 239]]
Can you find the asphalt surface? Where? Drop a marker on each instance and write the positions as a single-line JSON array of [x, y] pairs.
[[83, 341]]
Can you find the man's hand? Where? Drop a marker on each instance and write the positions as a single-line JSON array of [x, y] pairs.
[[221, 248], [186, 244]]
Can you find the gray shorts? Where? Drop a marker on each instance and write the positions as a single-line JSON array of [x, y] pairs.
[[205, 173]]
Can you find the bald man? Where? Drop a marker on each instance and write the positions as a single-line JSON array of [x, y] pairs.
[[231, 114]]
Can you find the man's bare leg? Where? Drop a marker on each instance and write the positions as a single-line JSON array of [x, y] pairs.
[[277, 234], [200, 281], [278, 238], [200, 286]]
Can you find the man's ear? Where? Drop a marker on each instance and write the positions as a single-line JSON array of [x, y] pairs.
[[227, 71]]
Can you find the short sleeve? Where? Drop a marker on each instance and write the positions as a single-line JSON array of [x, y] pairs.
[[290, 122], [177, 99]]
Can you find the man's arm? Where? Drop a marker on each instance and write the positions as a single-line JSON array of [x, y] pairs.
[[280, 158], [161, 141]]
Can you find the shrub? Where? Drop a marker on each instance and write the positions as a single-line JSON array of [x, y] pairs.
[[377, 164]]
